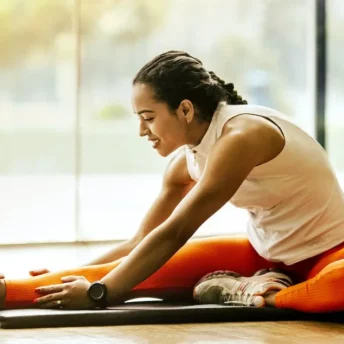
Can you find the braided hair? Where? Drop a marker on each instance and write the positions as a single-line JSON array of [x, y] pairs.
[[176, 75]]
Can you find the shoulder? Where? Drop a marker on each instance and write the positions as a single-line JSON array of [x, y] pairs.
[[256, 133], [176, 172], [250, 123]]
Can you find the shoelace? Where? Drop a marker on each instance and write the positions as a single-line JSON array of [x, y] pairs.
[[242, 293]]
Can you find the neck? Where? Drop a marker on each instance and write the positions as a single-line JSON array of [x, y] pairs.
[[196, 133], [198, 130]]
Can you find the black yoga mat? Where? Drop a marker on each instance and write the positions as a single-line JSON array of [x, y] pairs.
[[152, 313]]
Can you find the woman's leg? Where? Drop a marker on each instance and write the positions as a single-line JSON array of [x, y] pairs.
[[177, 277], [321, 291]]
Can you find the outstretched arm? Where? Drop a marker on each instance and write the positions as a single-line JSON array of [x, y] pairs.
[[235, 154]]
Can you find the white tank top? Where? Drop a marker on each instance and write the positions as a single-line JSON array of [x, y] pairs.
[[295, 203]]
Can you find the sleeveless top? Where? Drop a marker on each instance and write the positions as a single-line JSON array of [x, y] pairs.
[[295, 203]]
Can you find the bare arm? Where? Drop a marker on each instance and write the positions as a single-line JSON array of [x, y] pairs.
[[176, 184], [117, 252]]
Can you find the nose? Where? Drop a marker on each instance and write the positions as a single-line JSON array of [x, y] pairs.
[[143, 131]]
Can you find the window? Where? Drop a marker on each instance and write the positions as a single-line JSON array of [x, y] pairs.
[[37, 88], [335, 89], [83, 173]]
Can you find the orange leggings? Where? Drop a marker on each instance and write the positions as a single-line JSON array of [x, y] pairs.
[[318, 277]]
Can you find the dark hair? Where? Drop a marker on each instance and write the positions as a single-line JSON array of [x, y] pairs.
[[175, 76]]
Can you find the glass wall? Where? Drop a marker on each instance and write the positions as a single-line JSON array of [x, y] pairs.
[[37, 88], [335, 88], [260, 46]]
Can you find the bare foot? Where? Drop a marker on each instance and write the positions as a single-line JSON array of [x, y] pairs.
[[2, 293]]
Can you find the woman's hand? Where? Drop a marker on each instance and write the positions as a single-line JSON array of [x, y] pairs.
[[38, 272], [71, 294]]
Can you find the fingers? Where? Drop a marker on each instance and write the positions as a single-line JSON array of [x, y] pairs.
[[67, 279], [38, 272], [51, 289], [51, 301]]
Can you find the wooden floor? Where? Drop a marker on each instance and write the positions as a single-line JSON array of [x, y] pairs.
[[286, 332]]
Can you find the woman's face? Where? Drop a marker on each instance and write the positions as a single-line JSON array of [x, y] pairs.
[[166, 130]]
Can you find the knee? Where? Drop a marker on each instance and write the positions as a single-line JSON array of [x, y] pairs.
[[333, 271]]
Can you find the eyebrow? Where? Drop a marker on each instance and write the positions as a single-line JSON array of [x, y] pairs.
[[142, 111]]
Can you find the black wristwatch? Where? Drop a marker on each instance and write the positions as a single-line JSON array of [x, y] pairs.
[[97, 292]]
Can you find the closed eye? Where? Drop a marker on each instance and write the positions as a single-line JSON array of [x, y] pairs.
[[148, 119]]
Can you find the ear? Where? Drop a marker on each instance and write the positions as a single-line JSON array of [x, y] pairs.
[[186, 110]]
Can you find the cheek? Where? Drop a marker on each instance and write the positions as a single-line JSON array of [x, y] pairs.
[[173, 134], [170, 131]]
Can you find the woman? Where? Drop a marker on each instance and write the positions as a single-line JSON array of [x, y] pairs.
[[227, 150]]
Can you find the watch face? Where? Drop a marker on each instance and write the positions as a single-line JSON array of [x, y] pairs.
[[97, 291]]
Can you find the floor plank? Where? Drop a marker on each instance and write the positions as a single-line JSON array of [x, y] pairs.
[[286, 332]]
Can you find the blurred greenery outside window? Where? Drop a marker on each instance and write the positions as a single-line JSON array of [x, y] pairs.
[[53, 192]]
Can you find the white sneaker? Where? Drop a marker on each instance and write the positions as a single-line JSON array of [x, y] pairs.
[[232, 289]]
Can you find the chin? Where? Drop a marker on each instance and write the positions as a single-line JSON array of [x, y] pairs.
[[165, 153]]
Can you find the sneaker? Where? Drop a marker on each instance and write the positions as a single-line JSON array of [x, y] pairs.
[[232, 289]]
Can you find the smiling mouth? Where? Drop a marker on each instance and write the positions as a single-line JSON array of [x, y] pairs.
[[154, 143]]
